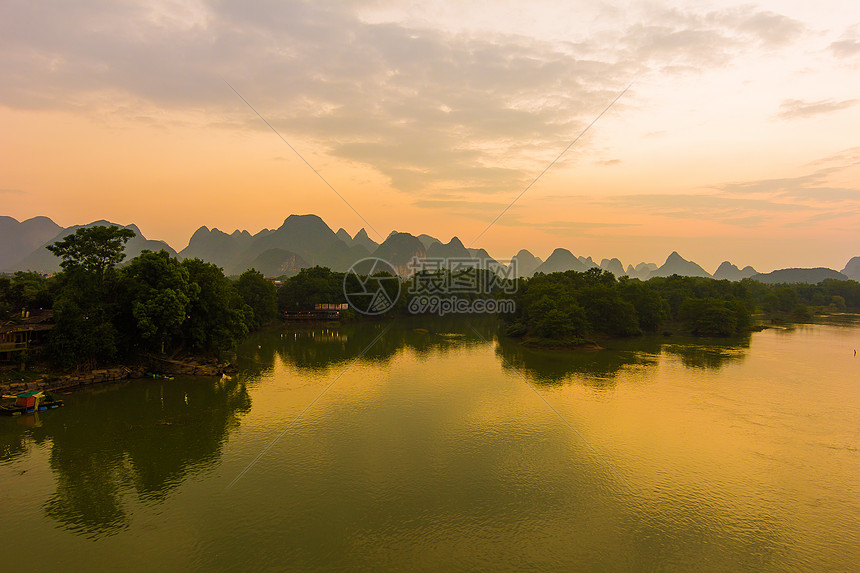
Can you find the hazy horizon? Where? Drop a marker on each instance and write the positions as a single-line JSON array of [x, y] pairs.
[[736, 141], [502, 257]]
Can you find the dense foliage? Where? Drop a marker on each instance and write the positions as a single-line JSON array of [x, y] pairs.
[[571, 306], [155, 303]]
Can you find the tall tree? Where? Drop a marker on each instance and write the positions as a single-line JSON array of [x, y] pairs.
[[85, 310], [217, 316], [160, 294], [94, 250], [259, 294]]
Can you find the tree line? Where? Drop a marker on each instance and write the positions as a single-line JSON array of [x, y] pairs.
[[104, 312], [575, 305]]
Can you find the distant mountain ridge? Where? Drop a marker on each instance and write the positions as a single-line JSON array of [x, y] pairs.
[[19, 239], [561, 260], [43, 261], [731, 272], [809, 276], [306, 240], [526, 264], [852, 269], [677, 265]]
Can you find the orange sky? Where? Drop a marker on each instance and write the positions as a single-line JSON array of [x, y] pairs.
[[738, 139]]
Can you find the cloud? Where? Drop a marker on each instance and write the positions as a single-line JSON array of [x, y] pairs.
[[806, 199], [428, 108], [13, 191], [700, 206], [797, 109], [849, 45], [573, 228]]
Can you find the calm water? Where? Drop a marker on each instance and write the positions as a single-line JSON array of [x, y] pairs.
[[452, 450]]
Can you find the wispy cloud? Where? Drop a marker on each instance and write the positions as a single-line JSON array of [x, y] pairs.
[[574, 228], [806, 199], [797, 109], [428, 108], [12, 191], [849, 45]]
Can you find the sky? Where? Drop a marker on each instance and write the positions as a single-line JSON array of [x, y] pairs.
[[737, 139]]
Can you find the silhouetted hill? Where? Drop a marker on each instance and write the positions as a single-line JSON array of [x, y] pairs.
[[852, 269], [728, 271], [588, 262], [454, 249], [678, 265], [526, 263], [278, 262], [218, 247], [308, 237], [43, 261], [614, 266], [399, 249], [363, 240], [427, 240], [559, 261], [641, 271], [344, 236], [809, 276], [486, 261], [19, 239]]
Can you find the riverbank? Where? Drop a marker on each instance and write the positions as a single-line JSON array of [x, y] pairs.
[[13, 382]]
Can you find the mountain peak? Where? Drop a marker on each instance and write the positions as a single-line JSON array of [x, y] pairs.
[[677, 265]]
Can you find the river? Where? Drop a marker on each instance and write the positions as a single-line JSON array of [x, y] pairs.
[[434, 445]]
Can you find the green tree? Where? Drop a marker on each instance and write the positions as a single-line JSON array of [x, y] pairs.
[[259, 294], [159, 296], [217, 316], [710, 317], [558, 317], [94, 250], [85, 308], [312, 286]]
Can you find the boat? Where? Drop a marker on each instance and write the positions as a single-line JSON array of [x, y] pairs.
[[29, 402], [158, 376]]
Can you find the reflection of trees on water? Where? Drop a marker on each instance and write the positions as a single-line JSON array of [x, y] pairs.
[[146, 437], [600, 368], [323, 346], [593, 368], [711, 355]]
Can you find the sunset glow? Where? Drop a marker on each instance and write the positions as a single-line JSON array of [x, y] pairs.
[[738, 139]]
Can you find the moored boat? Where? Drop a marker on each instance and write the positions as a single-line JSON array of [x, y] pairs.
[[30, 402]]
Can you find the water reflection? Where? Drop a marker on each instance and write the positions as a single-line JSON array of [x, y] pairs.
[[323, 346], [320, 347], [143, 436], [593, 368], [712, 354]]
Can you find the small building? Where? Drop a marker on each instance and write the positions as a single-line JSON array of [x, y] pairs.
[[331, 306], [322, 311], [29, 332]]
